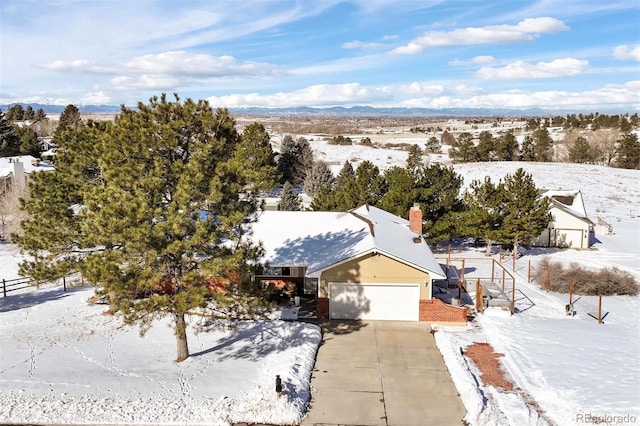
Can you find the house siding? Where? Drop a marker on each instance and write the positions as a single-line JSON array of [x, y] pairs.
[[565, 230], [375, 268]]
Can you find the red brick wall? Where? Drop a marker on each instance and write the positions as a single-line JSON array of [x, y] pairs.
[[435, 310], [322, 307]]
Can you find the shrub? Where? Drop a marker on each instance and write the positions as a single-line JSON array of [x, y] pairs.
[[606, 281], [340, 140]]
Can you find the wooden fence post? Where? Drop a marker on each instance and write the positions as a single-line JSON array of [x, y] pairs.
[[529, 272], [600, 309], [479, 297], [64, 283], [462, 276], [570, 292]]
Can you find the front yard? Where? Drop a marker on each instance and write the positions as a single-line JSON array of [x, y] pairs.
[[66, 361]]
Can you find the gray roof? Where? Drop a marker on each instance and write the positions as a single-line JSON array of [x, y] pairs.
[[319, 240]]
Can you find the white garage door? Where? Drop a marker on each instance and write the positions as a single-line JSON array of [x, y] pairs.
[[398, 302]]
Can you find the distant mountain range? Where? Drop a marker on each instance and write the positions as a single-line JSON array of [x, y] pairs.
[[355, 111]]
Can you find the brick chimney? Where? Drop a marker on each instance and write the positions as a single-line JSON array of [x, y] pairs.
[[415, 219]]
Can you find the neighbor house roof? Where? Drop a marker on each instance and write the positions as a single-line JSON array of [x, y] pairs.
[[570, 201], [30, 164], [319, 240]]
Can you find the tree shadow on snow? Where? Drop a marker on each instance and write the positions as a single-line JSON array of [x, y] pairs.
[[32, 297], [256, 339]]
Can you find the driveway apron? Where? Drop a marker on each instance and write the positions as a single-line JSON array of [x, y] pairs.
[[381, 373]]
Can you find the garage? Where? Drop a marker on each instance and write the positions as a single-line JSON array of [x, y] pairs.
[[397, 302]]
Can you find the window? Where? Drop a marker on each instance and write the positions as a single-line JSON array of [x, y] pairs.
[[278, 271]]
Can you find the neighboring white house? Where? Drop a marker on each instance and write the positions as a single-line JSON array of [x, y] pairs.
[[16, 170], [570, 226]]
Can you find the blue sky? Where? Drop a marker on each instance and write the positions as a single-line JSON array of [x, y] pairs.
[[553, 54]]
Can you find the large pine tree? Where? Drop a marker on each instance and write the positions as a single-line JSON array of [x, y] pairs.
[[526, 214], [484, 211], [151, 208], [628, 152]]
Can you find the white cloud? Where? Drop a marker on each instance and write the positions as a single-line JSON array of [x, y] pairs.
[[625, 52], [357, 44], [95, 98], [477, 60], [145, 82], [524, 31], [172, 62], [566, 67], [611, 95], [316, 95], [416, 88]]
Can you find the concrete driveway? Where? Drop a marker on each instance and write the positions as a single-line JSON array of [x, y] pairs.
[[381, 373]]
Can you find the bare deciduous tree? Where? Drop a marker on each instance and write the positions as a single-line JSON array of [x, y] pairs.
[[10, 213]]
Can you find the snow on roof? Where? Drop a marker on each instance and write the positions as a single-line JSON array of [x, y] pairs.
[[30, 164], [319, 240], [568, 200]]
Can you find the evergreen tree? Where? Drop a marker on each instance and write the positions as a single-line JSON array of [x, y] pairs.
[[507, 147], [580, 151], [437, 189], [526, 213], [486, 146], [28, 141], [40, 115], [319, 176], [463, 150], [255, 148], [542, 145], [289, 200], [70, 121], [367, 187], [9, 140], [325, 199], [70, 117], [414, 159], [345, 175], [165, 196], [401, 191], [295, 160], [628, 152], [29, 114], [625, 125], [484, 211], [528, 149], [433, 145], [15, 113]]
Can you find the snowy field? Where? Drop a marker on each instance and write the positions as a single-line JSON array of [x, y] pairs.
[[63, 360]]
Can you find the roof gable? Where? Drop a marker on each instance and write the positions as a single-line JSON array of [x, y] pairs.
[[570, 202]]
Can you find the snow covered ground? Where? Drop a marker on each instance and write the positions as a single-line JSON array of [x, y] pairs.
[[65, 361]]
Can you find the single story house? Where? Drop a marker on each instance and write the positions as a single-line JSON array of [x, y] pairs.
[[362, 264], [570, 227]]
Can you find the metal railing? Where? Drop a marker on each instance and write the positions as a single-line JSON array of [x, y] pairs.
[[15, 284]]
